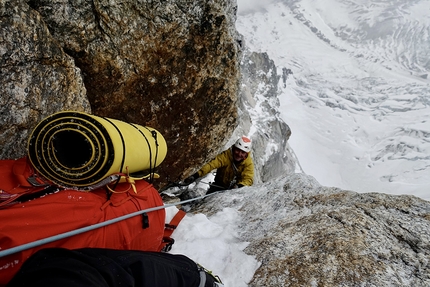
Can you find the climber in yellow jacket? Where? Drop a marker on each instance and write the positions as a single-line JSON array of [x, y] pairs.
[[234, 166]]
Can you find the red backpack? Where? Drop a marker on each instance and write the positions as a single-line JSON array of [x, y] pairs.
[[32, 209]]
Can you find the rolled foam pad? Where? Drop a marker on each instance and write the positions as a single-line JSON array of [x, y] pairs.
[[75, 149]]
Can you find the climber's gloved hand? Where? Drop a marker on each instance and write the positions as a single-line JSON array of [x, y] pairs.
[[191, 179], [238, 186]]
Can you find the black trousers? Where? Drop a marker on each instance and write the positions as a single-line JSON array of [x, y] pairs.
[[108, 268]]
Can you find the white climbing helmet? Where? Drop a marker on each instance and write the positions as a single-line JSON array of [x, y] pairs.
[[243, 143]]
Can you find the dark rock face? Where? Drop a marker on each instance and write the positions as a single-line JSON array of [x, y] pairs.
[[171, 65], [36, 77]]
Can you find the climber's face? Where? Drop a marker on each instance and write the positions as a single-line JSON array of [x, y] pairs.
[[239, 155]]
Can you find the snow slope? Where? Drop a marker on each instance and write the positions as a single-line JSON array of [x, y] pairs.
[[358, 101]]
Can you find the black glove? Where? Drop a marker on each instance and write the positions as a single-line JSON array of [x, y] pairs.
[[191, 179]]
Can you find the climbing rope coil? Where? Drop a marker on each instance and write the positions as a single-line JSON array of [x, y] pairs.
[[78, 150]]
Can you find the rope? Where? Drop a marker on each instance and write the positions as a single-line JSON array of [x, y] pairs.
[[151, 178], [180, 185], [296, 158], [154, 135], [122, 142], [235, 170], [50, 239], [123, 148]]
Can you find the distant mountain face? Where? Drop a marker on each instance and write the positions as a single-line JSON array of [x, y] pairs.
[[394, 32], [358, 101]]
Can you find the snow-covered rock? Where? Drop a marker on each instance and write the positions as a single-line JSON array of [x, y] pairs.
[[305, 234], [259, 117]]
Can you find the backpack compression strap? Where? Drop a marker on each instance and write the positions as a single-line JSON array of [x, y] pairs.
[[167, 242]]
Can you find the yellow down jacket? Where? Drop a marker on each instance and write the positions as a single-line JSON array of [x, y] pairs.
[[226, 171]]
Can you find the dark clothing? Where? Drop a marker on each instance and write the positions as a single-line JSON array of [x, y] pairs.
[[94, 267]]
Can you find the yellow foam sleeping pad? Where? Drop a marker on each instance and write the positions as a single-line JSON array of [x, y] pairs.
[[80, 150]]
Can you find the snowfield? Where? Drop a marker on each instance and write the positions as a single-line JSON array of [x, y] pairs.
[[358, 101]]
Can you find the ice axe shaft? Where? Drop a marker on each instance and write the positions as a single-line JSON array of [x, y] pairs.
[[211, 184], [183, 184]]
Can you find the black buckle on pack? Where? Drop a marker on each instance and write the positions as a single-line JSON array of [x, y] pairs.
[[145, 220], [34, 182], [169, 243]]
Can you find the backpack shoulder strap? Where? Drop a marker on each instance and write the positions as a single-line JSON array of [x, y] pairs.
[[22, 170], [19, 181], [167, 242]]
